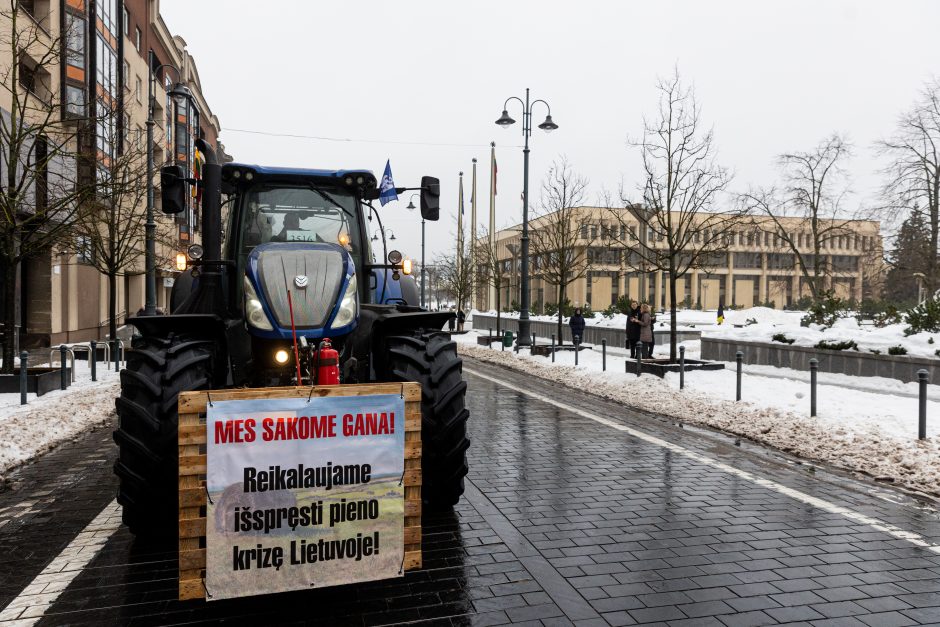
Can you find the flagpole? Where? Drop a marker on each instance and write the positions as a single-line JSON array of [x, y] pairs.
[[473, 235], [492, 234], [459, 239]]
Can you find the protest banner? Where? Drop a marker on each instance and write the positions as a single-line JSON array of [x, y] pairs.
[[305, 492]]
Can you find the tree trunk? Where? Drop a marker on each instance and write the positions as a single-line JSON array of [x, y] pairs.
[[561, 295], [112, 305], [497, 312], [934, 235], [673, 323], [9, 313]]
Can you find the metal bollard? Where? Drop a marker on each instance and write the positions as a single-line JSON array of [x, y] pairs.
[[577, 348], [682, 367], [64, 381], [533, 341], [553, 348], [739, 357], [491, 334], [922, 415], [639, 358], [813, 369], [604, 355], [24, 366], [94, 360]]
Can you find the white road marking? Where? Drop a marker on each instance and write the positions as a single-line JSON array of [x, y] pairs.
[[42, 592], [819, 503]]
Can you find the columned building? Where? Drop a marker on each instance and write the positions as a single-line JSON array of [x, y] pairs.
[[103, 67], [753, 266]]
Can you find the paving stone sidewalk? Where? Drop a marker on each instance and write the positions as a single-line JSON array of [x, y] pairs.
[[565, 521]]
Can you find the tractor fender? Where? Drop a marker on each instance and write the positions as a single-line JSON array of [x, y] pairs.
[[232, 342], [379, 322]]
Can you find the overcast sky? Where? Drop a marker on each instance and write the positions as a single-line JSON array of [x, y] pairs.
[[421, 83]]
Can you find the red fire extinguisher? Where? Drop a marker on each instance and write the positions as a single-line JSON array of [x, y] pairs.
[[327, 364]]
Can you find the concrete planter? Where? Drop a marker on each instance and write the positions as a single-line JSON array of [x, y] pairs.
[[660, 367], [900, 367], [38, 380]]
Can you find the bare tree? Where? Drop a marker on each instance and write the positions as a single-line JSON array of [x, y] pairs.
[[678, 227], [913, 176], [455, 274], [813, 190], [42, 194], [489, 268], [113, 229], [561, 258]]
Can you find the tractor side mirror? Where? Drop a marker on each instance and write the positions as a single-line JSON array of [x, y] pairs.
[[430, 198], [173, 188]]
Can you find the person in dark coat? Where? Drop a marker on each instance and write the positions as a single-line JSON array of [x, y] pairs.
[[646, 329], [461, 318], [577, 326], [633, 328]]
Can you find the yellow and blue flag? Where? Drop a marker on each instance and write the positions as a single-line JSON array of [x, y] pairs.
[[721, 313]]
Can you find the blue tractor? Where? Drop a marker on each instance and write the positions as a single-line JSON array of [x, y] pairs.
[[300, 232]]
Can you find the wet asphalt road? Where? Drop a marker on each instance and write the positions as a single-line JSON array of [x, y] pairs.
[[584, 513]]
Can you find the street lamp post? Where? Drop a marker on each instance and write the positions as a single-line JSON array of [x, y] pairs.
[[525, 339], [411, 207], [179, 90]]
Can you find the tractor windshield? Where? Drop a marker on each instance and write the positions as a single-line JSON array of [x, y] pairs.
[[299, 214]]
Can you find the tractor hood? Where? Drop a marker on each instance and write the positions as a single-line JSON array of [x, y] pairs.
[[321, 281]]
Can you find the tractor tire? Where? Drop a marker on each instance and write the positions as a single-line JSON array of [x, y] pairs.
[[430, 358], [147, 467]]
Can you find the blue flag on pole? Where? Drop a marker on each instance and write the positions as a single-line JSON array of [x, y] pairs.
[[387, 186]]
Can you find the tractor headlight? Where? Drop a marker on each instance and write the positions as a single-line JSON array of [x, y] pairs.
[[281, 356], [253, 309], [348, 307]]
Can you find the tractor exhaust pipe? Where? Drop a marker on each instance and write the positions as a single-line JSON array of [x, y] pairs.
[[207, 298]]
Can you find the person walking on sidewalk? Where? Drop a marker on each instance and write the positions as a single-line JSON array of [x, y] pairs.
[[646, 329], [633, 328], [577, 326], [461, 318]]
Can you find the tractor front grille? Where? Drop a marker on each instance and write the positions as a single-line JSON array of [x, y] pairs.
[[321, 264]]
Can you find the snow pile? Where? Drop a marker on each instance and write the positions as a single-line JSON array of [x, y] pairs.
[[760, 324], [27, 431], [881, 443]]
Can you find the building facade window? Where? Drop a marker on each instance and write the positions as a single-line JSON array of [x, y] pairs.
[[127, 23], [749, 261], [137, 39]]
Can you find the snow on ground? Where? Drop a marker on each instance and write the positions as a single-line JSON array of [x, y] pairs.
[[760, 324], [27, 431], [863, 424]]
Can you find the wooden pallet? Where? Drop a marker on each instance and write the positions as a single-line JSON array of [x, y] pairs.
[[192, 469]]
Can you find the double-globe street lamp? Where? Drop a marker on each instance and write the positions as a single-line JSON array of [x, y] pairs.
[[411, 207], [179, 92], [525, 338]]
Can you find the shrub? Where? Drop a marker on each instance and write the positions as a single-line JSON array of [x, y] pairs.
[[844, 345], [897, 350], [826, 310], [930, 340], [769, 304], [924, 317], [875, 351], [783, 339], [890, 315], [551, 309], [750, 321], [698, 305]]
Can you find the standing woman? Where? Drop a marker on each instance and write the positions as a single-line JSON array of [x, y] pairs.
[[577, 326], [633, 328], [646, 329]]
